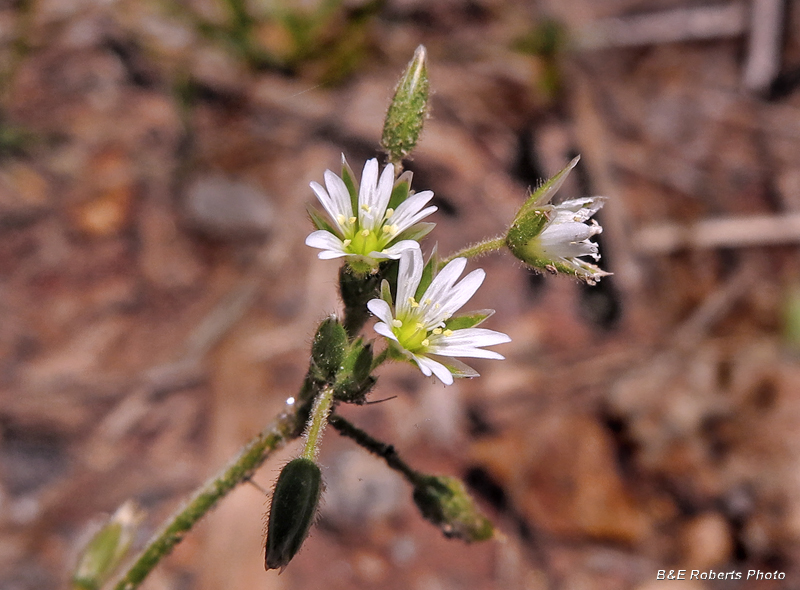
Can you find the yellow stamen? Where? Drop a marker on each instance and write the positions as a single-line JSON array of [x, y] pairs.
[[448, 332], [365, 233], [413, 302], [346, 243], [420, 325], [426, 342], [437, 331], [389, 212], [365, 207], [397, 323], [341, 219], [351, 221], [428, 301]]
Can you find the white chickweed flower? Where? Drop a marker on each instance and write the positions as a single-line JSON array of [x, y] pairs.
[[421, 325], [372, 221], [556, 237]]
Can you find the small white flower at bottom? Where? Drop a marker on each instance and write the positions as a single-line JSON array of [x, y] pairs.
[[424, 330]]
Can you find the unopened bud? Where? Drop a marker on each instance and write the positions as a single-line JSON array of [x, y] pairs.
[[408, 109], [329, 348], [445, 502], [293, 509], [108, 548]]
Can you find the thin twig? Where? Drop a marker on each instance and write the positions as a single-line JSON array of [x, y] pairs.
[[385, 451]]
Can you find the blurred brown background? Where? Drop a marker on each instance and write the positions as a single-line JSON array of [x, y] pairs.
[[157, 301]]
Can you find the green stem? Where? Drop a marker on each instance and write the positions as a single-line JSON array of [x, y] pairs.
[[478, 249], [317, 422], [286, 427], [381, 449]]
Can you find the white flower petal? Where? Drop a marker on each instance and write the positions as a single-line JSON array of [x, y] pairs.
[[428, 366], [384, 330], [330, 254], [443, 282], [380, 309], [410, 211], [325, 240], [394, 252], [337, 189], [367, 195], [330, 206], [409, 274], [455, 299]]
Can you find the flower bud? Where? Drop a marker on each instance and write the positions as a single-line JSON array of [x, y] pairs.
[[354, 380], [445, 502], [107, 548], [329, 347], [293, 509], [406, 115]]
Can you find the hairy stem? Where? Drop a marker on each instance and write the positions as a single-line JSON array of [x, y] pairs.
[[317, 422], [478, 249], [286, 427]]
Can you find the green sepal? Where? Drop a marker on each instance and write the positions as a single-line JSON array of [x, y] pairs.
[[319, 222], [351, 183], [526, 227], [445, 502], [329, 348], [107, 548], [386, 292], [408, 109], [292, 512], [402, 186], [417, 231], [428, 272], [544, 193], [457, 368], [468, 320]]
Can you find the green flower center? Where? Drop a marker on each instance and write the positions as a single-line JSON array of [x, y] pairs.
[[411, 334], [361, 241]]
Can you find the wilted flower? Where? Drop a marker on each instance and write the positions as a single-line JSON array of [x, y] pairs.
[[374, 221], [421, 325], [555, 237]]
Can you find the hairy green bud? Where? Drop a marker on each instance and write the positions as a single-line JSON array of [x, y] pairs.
[[408, 109], [108, 548], [329, 348], [445, 502], [293, 509], [354, 380]]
